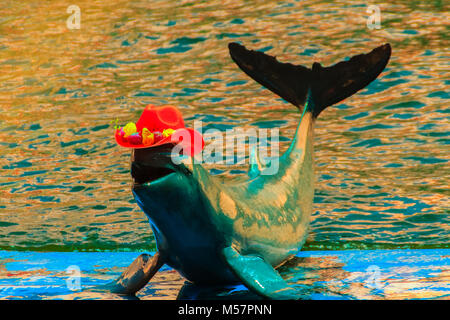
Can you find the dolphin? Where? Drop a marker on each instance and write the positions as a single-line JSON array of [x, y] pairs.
[[216, 233]]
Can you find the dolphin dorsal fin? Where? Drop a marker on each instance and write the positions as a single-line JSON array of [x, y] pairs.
[[255, 167]]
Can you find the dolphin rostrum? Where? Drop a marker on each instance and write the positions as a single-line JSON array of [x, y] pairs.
[[220, 233]]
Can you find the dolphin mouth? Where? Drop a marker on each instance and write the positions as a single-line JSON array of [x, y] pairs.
[[151, 165], [144, 175]]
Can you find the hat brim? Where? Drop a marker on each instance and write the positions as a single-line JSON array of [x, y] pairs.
[[191, 147]]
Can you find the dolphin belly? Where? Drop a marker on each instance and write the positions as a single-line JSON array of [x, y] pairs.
[[196, 258], [183, 230]]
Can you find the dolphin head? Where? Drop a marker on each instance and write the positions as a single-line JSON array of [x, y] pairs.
[[171, 197], [158, 181]]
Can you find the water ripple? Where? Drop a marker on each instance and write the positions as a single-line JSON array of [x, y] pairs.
[[381, 155]]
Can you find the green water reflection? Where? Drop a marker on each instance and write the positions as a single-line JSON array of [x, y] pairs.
[[381, 156]]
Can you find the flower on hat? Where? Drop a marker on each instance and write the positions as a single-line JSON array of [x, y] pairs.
[[129, 129], [167, 132], [135, 138], [148, 138], [130, 134]]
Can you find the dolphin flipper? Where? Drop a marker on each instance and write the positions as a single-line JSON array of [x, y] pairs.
[[137, 275], [329, 85], [258, 275]]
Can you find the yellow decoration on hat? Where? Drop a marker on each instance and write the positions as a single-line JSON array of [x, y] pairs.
[[168, 132], [147, 137], [129, 129]]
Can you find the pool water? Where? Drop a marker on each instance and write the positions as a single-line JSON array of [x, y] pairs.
[[318, 275], [382, 171]]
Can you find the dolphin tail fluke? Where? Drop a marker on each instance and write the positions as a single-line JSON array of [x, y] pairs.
[[259, 276], [328, 85]]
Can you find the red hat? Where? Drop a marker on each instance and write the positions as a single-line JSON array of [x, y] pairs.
[[158, 126]]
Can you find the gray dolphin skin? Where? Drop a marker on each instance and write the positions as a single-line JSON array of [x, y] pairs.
[[216, 232]]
